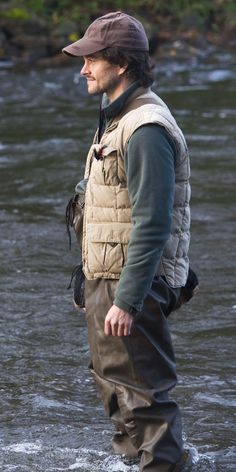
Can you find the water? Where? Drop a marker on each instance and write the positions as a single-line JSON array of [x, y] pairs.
[[50, 412]]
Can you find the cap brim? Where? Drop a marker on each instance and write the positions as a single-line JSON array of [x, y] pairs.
[[83, 47]]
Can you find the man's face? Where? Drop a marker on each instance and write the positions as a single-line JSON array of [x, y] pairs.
[[102, 76]]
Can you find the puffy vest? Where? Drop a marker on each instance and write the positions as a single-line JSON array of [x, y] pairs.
[[107, 212]]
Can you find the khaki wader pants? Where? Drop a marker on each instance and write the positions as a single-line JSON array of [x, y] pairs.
[[134, 374]]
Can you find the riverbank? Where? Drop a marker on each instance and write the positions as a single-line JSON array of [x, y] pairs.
[[33, 42]]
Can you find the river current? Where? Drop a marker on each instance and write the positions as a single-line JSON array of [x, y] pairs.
[[50, 413]]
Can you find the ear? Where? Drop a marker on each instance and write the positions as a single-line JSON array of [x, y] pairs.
[[122, 70]]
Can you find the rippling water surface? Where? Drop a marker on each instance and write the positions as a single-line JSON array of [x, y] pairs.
[[51, 416]]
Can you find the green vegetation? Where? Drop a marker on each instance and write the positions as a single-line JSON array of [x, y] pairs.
[[213, 15]]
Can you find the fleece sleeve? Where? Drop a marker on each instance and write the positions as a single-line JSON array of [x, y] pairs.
[[150, 169]]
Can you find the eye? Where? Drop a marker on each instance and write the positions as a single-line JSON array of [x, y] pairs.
[[91, 60]]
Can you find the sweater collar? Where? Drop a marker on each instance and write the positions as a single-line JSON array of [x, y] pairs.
[[110, 110]]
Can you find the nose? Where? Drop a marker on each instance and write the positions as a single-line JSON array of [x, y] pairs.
[[85, 69]]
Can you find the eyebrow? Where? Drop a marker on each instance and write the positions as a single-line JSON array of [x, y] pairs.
[[93, 56]]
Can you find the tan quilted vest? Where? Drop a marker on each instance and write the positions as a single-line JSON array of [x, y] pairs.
[[107, 216]]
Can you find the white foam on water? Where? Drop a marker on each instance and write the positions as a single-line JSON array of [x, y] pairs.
[[201, 462], [25, 447], [91, 461], [88, 459], [11, 467], [74, 466], [113, 464], [193, 452], [92, 451], [216, 399], [78, 464]]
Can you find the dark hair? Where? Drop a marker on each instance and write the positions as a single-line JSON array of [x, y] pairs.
[[139, 64]]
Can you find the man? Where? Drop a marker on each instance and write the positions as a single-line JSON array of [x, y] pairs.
[[135, 242]]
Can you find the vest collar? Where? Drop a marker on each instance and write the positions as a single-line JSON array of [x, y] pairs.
[[110, 110], [111, 113]]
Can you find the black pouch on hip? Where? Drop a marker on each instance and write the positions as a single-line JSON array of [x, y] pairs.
[[189, 290], [78, 281]]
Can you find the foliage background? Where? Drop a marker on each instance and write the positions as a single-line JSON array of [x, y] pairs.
[[213, 15], [35, 31]]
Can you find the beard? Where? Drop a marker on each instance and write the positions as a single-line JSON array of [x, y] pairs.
[[107, 84]]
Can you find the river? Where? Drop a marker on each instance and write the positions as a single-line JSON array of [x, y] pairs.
[[51, 416]]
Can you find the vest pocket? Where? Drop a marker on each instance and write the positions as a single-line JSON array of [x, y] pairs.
[[110, 168], [106, 248], [106, 258], [114, 257]]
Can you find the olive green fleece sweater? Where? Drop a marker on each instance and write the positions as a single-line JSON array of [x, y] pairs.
[[150, 168]]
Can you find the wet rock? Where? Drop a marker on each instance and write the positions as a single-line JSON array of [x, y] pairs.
[[3, 43], [23, 41]]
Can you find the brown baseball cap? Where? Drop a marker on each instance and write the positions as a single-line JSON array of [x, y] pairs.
[[114, 29]]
